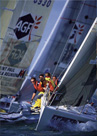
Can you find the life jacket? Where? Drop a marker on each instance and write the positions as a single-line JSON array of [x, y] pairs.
[[47, 78], [51, 87], [40, 87], [51, 83], [50, 80], [56, 82]]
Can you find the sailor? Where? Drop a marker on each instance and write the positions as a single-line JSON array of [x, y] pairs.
[[50, 81], [35, 84], [55, 80], [37, 87], [42, 85]]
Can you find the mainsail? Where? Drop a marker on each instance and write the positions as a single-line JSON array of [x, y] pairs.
[[21, 40], [72, 26], [80, 81]]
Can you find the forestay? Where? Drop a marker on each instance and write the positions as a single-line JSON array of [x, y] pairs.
[[21, 41]]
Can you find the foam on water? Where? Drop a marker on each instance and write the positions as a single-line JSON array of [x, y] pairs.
[[82, 127], [88, 126]]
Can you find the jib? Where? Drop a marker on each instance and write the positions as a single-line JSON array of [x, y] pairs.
[[24, 27]]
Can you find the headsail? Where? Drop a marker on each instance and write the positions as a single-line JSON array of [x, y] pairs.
[[21, 41], [80, 81]]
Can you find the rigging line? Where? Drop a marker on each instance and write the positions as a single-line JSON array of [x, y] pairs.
[[74, 20], [4, 8], [90, 5], [68, 39]]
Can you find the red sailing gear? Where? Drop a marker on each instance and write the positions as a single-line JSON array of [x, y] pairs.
[[35, 85], [40, 87]]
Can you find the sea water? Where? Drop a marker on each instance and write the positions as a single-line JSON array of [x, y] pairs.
[[22, 128]]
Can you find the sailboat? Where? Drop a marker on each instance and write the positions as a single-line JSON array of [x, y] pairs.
[[61, 48], [20, 36], [76, 88], [63, 42]]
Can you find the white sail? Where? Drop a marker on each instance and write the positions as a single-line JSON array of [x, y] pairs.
[[6, 11], [74, 23], [21, 41], [79, 81]]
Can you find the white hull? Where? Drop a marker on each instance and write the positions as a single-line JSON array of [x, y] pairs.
[[52, 114]]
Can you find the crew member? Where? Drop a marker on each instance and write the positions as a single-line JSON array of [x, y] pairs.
[[50, 81], [37, 87], [35, 84], [55, 80]]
